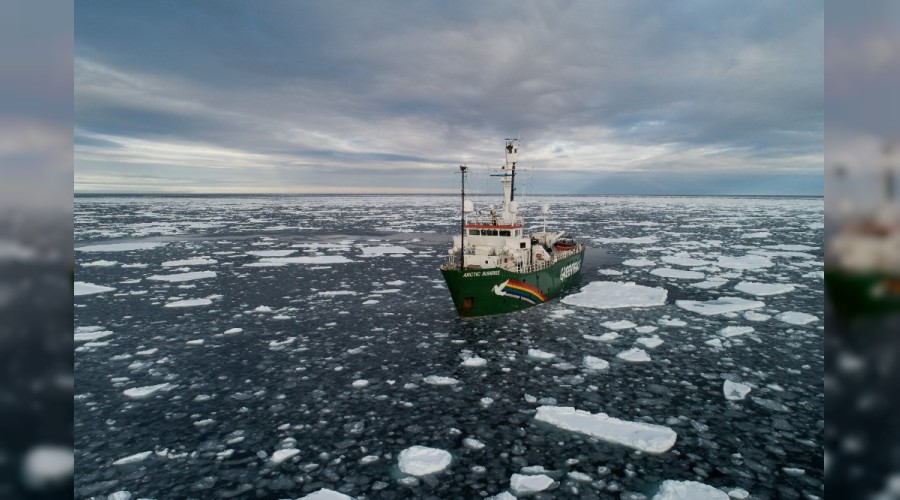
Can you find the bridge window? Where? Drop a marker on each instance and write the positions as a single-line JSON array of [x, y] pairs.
[[473, 232], [504, 233]]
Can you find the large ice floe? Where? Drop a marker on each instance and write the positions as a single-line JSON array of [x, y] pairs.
[[521, 484], [688, 490], [763, 289], [735, 391], [121, 247], [189, 303], [744, 263], [684, 259], [383, 250], [326, 494], [177, 278], [634, 355], [721, 305], [614, 294], [196, 261], [83, 288], [649, 438], [90, 333], [796, 318], [422, 461], [312, 259], [668, 272]]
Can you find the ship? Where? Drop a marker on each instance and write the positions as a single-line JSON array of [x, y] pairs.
[[862, 261], [495, 266]]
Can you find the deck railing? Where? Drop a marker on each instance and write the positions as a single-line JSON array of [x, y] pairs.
[[453, 263]]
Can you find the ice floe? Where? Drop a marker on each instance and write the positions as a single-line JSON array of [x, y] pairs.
[[422, 461], [746, 262], [439, 380], [177, 278], [196, 261], [313, 259], [688, 490], [615, 294], [383, 250], [735, 391], [133, 459], [684, 259], [639, 240], [672, 322], [84, 288], [48, 465], [326, 494], [232, 331], [189, 303], [271, 253], [755, 316], [90, 333], [100, 263], [634, 355], [763, 289], [121, 247], [285, 454], [474, 362], [522, 485], [650, 342], [593, 363], [146, 391], [734, 331], [638, 262], [796, 318], [539, 354], [709, 284], [618, 325], [721, 305], [668, 272], [649, 438]]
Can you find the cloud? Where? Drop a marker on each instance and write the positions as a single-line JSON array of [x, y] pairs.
[[692, 87]]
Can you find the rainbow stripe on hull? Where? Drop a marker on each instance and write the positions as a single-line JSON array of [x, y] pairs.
[[521, 291]]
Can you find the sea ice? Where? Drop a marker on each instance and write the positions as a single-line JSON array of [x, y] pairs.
[[439, 380], [755, 316], [271, 253], [714, 342], [709, 284], [522, 485], [232, 331], [100, 263], [684, 259], [383, 250], [650, 342], [473, 444], [146, 391], [746, 262], [313, 259], [196, 261], [613, 294], [539, 354], [46, 465], [121, 247], [688, 490], [735, 391], [606, 337], [634, 355], [763, 289], [474, 362], [189, 303], [326, 494], [738, 494], [422, 461], [83, 288], [173, 278], [796, 318], [285, 454], [133, 459], [646, 329], [592, 363], [668, 272], [672, 322], [638, 262], [649, 438], [360, 383], [618, 325], [719, 306], [88, 336], [734, 331], [195, 342], [639, 240]]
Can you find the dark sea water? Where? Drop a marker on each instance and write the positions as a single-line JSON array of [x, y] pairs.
[[363, 300]]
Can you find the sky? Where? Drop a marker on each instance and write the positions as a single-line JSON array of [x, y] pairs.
[[689, 97], [862, 75]]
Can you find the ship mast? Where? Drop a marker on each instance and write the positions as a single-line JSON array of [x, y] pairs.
[[462, 219]]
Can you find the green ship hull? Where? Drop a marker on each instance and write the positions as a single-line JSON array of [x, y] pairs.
[[485, 292], [863, 293]]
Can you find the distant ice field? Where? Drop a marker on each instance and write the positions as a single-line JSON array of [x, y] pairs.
[[277, 347]]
